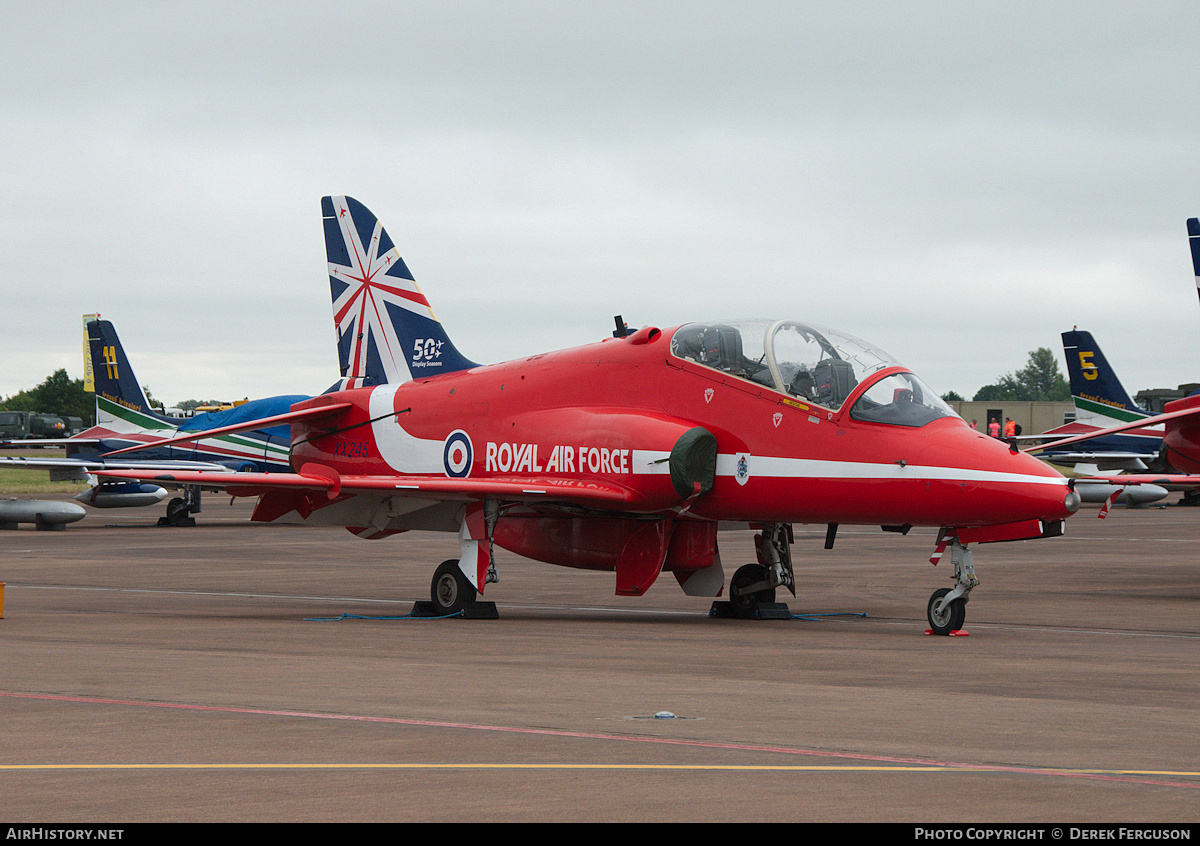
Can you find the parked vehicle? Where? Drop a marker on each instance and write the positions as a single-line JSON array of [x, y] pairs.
[[21, 425]]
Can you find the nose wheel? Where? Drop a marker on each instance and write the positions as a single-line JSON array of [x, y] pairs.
[[947, 608], [946, 616]]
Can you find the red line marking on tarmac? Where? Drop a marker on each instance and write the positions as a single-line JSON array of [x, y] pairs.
[[1094, 775]]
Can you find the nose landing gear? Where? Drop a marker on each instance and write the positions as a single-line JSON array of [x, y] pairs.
[[946, 616], [947, 608]]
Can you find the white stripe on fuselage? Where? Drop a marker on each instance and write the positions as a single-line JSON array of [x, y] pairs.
[[818, 469], [407, 454], [649, 462]]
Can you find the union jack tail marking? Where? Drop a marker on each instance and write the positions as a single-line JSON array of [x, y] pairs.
[[387, 332]]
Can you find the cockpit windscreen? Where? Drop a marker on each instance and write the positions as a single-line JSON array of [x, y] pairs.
[[901, 399], [807, 361]]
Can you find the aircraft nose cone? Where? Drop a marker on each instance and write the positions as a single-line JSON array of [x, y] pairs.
[[1056, 499], [1000, 485]]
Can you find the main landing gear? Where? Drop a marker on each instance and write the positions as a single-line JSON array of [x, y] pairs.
[[752, 588], [947, 609], [451, 594], [450, 590], [181, 508]]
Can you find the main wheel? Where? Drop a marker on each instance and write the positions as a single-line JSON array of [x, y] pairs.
[[177, 508], [950, 618], [746, 575], [450, 589]]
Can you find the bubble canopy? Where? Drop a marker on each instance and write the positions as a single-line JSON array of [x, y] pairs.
[[813, 363]]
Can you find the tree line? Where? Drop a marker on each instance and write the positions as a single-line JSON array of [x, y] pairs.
[[58, 394], [1038, 381]]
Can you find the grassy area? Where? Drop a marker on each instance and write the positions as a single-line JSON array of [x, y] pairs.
[[18, 480], [35, 482]]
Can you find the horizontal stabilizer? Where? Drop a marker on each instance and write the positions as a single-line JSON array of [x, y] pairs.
[[1112, 430], [250, 425]]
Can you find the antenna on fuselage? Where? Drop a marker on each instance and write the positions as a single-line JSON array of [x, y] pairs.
[[622, 329]]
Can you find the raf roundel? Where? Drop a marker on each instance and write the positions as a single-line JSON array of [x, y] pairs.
[[458, 455]]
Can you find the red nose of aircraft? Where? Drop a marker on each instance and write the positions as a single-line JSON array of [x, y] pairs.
[[995, 483]]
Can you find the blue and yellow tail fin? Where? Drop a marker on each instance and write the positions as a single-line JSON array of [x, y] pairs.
[[1095, 387], [119, 396]]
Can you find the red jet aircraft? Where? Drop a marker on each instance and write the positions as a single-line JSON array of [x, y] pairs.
[[627, 455]]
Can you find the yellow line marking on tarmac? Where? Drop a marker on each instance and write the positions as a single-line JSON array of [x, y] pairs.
[[467, 766], [933, 768], [873, 762]]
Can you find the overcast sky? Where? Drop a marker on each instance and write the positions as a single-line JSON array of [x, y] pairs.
[[956, 182]]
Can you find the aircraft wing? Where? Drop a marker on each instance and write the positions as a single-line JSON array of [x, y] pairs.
[[1112, 430], [1067, 456], [1084, 463], [1137, 488], [1107, 460], [317, 478], [1161, 479], [91, 465], [249, 425], [78, 469], [39, 443]]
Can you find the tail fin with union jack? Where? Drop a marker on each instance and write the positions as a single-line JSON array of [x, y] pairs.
[[387, 332]]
